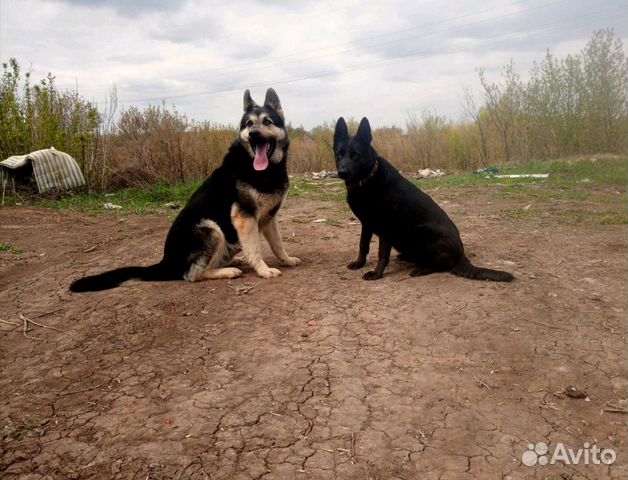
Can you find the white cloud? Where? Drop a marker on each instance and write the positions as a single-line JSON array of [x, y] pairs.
[[365, 57]]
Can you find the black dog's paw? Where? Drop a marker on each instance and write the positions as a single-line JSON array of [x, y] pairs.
[[355, 265], [372, 275]]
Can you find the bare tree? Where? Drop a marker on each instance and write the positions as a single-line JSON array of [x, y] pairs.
[[503, 103], [475, 114], [109, 112]]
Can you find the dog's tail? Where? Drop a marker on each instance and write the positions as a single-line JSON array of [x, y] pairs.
[[467, 270], [113, 278]]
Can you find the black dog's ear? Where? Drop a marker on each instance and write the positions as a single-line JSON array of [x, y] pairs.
[[364, 131], [272, 101], [341, 131], [248, 101]]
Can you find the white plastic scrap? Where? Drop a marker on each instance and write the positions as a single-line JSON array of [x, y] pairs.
[[113, 206]]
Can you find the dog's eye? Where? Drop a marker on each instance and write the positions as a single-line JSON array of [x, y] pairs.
[[266, 121], [249, 123]]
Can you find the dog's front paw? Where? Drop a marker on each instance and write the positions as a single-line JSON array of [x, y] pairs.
[[372, 275], [232, 272], [291, 261], [269, 272], [356, 264]]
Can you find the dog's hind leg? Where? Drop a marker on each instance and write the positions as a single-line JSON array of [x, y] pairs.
[[383, 257], [207, 263], [365, 244], [273, 237]]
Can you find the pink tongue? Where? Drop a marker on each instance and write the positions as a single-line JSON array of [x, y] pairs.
[[261, 158]]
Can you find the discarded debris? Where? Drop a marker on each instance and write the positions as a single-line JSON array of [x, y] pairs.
[[480, 382], [524, 175], [319, 220], [428, 172], [492, 172], [241, 289], [487, 171], [173, 205], [615, 410], [324, 174], [619, 407], [575, 392], [111, 206]]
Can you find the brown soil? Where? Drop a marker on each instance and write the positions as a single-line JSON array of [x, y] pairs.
[[316, 374]]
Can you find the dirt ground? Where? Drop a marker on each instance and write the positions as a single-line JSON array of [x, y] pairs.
[[316, 374]]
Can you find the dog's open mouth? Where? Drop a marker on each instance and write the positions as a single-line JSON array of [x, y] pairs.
[[263, 151]]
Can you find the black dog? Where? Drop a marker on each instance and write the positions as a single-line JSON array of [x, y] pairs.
[[401, 215], [228, 212]]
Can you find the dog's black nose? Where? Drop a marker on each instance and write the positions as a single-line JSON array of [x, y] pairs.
[[344, 174], [255, 135]]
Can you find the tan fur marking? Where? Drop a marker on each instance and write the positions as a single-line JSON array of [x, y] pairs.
[[264, 202], [248, 233], [216, 273], [273, 237], [196, 271], [221, 249]]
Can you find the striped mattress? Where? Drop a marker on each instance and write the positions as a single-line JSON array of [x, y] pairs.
[[52, 169]]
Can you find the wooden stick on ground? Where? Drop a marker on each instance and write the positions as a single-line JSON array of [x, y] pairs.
[[25, 327]]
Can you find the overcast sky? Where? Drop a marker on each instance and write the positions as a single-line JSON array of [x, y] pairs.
[[382, 59]]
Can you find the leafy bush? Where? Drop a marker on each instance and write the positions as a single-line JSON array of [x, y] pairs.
[[570, 106]]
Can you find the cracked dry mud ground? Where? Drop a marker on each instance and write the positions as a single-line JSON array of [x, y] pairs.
[[316, 374]]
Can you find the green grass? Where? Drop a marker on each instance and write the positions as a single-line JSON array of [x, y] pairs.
[[132, 200], [585, 179], [324, 190], [151, 200], [570, 215], [578, 190], [581, 171], [564, 173], [7, 247]]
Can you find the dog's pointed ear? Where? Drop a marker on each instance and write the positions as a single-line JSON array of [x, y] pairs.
[[248, 101], [272, 101], [341, 131], [364, 131]]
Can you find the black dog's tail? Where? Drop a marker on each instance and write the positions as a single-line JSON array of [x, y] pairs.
[[113, 278], [467, 270]]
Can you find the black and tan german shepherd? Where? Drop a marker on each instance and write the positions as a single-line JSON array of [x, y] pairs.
[[402, 216], [238, 202]]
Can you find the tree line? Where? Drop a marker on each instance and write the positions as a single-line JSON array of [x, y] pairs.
[[567, 106]]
